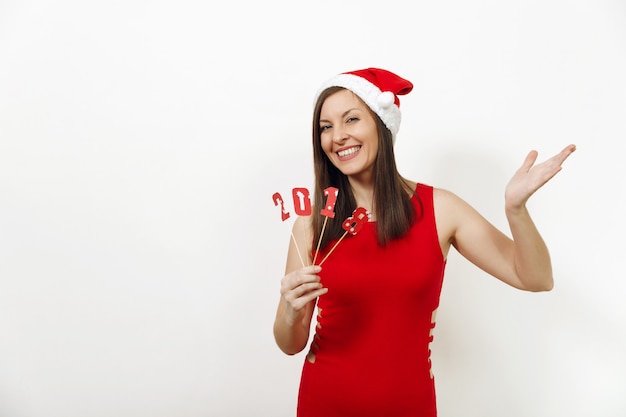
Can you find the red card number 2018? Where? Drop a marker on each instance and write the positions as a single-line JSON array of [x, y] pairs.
[[302, 202]]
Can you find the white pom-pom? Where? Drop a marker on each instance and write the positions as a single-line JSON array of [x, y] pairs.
[[385, 99]]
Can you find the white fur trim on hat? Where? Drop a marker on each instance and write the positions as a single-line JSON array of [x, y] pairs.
[[381, 102]]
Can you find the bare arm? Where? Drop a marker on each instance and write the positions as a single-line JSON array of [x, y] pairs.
[[299, 290], [532, 260], [522, 261]]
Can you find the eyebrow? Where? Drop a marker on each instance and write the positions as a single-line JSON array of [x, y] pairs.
[[343, 114]]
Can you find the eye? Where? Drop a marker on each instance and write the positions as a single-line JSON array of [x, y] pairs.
[[324, 127], [352, 119]]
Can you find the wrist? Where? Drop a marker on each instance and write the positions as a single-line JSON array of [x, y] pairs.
[[512, 211]]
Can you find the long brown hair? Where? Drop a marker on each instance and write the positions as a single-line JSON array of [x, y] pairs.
[[392, 204]]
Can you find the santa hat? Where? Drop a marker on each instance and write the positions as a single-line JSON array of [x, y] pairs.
[[378, 88]]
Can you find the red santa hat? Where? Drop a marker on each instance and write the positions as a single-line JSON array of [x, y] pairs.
[[378, 88]]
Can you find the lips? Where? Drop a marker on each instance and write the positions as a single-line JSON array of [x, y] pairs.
[[348, 152]]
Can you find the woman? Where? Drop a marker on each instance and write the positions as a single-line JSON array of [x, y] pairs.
[[377, 291]]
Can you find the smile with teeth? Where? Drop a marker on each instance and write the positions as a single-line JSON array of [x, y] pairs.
[[347, 152]]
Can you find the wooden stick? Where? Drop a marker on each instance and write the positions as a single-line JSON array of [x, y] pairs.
[[333, 248], [306, 240], [320, 239], [297, 248]]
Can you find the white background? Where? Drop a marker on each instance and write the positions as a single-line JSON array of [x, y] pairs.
[[141, 142]]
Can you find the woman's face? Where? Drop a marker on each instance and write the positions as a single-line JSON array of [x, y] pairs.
[[348, 132]]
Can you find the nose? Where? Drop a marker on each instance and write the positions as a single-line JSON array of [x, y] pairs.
[[339, 135]]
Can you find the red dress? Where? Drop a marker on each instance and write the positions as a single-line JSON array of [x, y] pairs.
[[370, 355]]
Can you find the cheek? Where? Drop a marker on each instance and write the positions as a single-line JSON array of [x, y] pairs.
[[327, 144]]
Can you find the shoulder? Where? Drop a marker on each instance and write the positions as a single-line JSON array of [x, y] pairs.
[[447, 209], [454, 214], [449, 204], [441, 196], [302, 230], [302, 223], [445, 196]]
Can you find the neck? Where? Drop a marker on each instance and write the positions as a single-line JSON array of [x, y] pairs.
[[363, 193]]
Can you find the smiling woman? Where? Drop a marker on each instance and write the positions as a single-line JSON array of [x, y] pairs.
[[141, 255], [349, 138], [378, 294]]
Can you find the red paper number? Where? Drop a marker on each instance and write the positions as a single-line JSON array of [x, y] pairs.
[[278, 199], [329, 208], [301, 201], [355, 222]]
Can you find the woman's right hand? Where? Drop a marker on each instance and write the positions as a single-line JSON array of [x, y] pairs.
[[298, 289]]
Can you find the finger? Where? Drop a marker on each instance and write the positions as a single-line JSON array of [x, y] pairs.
[[299, 280], [307, 274], [305, 271], [566, 152], [553, 166], [299, 290], [300, 302], [303, 289], [530, 160], [563, 155], [302, 276]]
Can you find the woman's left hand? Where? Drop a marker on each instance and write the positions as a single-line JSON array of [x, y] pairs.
[[529, 177]]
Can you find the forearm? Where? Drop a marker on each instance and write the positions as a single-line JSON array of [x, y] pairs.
[[533, 265], [291, 334]]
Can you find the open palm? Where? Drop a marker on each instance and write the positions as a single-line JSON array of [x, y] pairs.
[[530, 177]]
